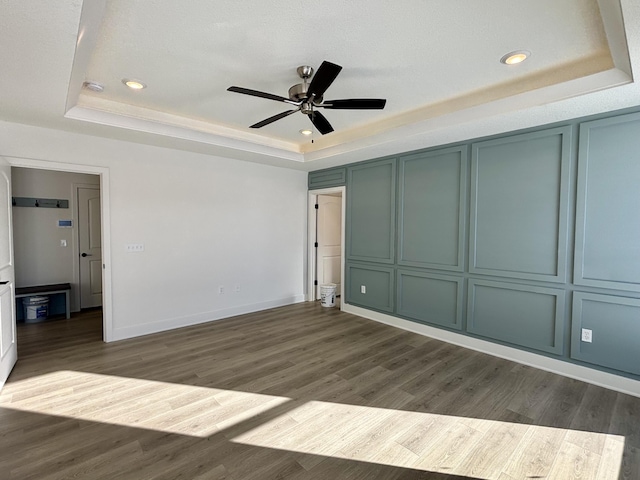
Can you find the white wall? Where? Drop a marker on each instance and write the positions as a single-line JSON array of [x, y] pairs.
[[204, 221], [39, 258]]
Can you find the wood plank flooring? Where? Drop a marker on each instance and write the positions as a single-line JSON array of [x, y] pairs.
[[299, 392]]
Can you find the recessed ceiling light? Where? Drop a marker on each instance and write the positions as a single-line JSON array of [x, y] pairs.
[[513, 58], [133, 84], [306, 132], [93, 86]]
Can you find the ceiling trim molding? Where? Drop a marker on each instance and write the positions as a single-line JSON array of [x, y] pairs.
[[119, 120], [613, 21], [88, 29], [440, 116]]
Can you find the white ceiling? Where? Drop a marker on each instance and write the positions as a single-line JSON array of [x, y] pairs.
[[436, 62]]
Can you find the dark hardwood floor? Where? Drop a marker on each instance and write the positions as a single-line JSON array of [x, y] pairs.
[[299, 392]]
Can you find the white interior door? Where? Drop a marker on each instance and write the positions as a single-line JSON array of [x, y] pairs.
[[329, 241], [89, 244], [8, 347]]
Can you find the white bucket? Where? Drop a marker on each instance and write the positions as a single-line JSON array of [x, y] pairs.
[[328, 295], [36, 309]]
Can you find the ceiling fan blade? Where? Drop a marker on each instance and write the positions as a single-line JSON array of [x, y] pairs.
[[256, 93], [323, 78], [320, 122], [269, 120], [355, 104]]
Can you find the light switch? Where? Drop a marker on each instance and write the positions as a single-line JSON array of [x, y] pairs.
[[363, 289]]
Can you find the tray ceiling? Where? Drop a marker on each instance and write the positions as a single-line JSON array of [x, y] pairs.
[[437, 63]]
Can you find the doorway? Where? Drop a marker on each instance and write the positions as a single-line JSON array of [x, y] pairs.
[[48, 236], [102, 176], [326, 222]]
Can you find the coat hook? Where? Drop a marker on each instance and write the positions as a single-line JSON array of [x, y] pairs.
[[58, 204], [13, 201], [37, 204]]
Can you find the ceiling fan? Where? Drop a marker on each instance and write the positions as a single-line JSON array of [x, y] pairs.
[[307, 96]]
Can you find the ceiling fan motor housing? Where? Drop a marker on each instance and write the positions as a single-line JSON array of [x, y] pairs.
[[299, 92]]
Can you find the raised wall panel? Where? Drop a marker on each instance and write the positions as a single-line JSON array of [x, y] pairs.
[[378, 282], [371, 211], [432, 198], [615, 328], [519, 206], [430, 298], [607, 251], [327, 178], [519, 314]]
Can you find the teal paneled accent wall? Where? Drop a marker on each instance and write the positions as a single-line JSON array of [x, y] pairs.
[[335, 177], [608, 209], [371, 212], [431, 209], [430, 298], [523, 315], [615, 326], [378, 285], [522, 239], [519, 205]]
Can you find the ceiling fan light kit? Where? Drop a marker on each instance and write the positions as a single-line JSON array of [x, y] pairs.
[[308, 96]]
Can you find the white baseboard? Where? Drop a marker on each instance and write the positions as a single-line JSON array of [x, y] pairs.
[[172, 323], [577, 372]]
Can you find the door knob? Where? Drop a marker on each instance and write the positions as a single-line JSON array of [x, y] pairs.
[[86, 255]]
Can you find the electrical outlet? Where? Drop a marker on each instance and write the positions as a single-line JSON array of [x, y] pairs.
[[363, 289], [63, 243], [587, 335], [221, 290], [237, 289], [135, 247]]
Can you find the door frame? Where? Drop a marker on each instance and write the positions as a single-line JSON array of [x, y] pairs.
[[105, 220], [311, 239]]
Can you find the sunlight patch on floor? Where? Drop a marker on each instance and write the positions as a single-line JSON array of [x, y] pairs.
[[477, 448], [138, 403], [481, 449]]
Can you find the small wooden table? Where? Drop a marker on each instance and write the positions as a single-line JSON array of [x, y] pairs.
[[48, 290]]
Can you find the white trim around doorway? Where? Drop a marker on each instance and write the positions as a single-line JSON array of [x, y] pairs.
[[105, 202], [311, 236]]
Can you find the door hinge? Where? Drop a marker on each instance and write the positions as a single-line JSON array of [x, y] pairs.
[[315, 282], [316, 206], [315, 244]]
